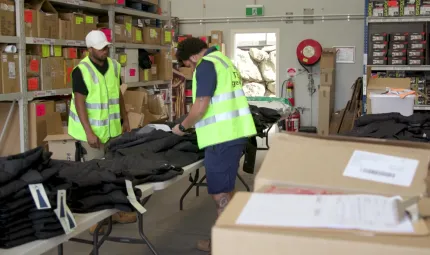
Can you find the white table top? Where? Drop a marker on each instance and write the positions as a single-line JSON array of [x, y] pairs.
[[164, 185], [84, 222]]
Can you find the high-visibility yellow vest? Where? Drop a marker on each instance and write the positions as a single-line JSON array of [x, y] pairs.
[[102, 102], [228, 116]]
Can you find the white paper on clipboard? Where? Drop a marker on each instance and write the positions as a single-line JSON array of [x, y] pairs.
[[345, 54]]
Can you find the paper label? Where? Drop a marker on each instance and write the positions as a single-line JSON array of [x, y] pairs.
[[79, 20], [63, 212], [425, 10], [378, 12], [409, 10], [132, 72], [146, 75], [39, 196], [355, 212], [58, 51], [139, 35], [128, 27], [123, 59], [89, 19], [28, 16], [153, 33], [61, 203], [73, 53], [167, 36], [120, 1], [11, 70], [154, 70], [381, 168], [33, 84], [393, 11], [45, 51], [34, 65], [40, 110]]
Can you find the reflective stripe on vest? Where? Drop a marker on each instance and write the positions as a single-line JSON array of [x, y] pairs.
[[227, 96], [223, 116], [97, 123], [97, 106]]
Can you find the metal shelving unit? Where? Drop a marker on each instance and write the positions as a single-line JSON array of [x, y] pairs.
[[388, 20], [21, 41]]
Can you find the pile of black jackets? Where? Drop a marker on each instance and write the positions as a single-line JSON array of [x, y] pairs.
[[264, 118], [155, 148], [393, 126], [20, 221]]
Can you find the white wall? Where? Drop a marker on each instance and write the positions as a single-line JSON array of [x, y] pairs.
[[328, 33]]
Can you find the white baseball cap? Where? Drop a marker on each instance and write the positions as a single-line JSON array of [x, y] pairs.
[[96, 39]]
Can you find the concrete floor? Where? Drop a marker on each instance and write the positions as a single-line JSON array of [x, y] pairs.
[[171, 231]]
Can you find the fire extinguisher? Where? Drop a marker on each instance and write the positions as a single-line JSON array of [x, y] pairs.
[[293, 122]]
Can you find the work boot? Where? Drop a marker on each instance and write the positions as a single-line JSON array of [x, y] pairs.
[[204, 245], [124, 217], [101, 230]]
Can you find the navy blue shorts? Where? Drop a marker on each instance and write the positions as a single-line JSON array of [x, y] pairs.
[[222, 164]]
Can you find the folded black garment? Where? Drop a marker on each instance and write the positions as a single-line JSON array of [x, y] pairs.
[[14, 166], [17, 242], [82, 192], [115, 197], [133, 138], [49, 234], [16, 228], [47, 220], [20, 210], [5, 237], [87, 174], [46, 227], [11, 205], [14, 220]]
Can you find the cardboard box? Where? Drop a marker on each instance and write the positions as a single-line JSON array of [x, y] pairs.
[[216, 36], [65, 27], [91, 22], [229, 237], [131, 71], [135, 119], [30, 23], [328, 58], [136, 99], [380, 85], [127, 22], [63, 107], [120, 33], [151, 35], [136, 33], [77, 25], [70, 53], [187, 72], [33, 65], [166, 37], [328, 77], [10, 73], [7, 18], [69, 65], [145, 75], [62, 146], [10, 144], [52, 73], [164, 63], [325, 108], [336, 152], [47, 19], [38, 113]]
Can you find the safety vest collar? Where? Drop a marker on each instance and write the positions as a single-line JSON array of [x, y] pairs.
[[87, 63]]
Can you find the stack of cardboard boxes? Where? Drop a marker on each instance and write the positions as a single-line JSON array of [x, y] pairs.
[[326, 93], [325, 174]]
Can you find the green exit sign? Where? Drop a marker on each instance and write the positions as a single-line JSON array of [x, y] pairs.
[[254, 10]]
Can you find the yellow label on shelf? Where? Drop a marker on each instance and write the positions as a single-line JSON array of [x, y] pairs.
[[146, 75], [46, 51], [58, 51], [167, 36], [152, 33], [139, 35], [89, 19], [79, 20], [128, 27], [123, 59]]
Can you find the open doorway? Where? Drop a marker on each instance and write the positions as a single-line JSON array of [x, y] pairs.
[[254, 53]]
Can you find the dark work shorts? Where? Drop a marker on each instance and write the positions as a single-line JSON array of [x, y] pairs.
[[222, 164]]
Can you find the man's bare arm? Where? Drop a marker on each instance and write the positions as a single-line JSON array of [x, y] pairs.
[[197, 112], [123, 112], [81, 108]]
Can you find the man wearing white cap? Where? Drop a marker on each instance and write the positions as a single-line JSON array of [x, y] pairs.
[[97, 106]]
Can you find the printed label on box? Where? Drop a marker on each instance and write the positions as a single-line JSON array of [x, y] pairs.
[[139, 35], [58, 51], [45, 51], [11, 70], [167, 36], [34, 65], [132, 72], [89, 19], [153, 33], [79, 20], [28, 16], [40, 110], [33, 84], [123, 59]]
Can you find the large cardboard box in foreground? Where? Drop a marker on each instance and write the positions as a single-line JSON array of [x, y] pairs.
[[230, 238], [299, 160]]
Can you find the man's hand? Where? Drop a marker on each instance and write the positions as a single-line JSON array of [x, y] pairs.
[[126, 126], [177, 131], [93, 140]]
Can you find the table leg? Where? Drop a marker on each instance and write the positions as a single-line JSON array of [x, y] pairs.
[[200, 184], [193, 183], [96, 243], [143, 236], [60, 249], [243, 182]]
